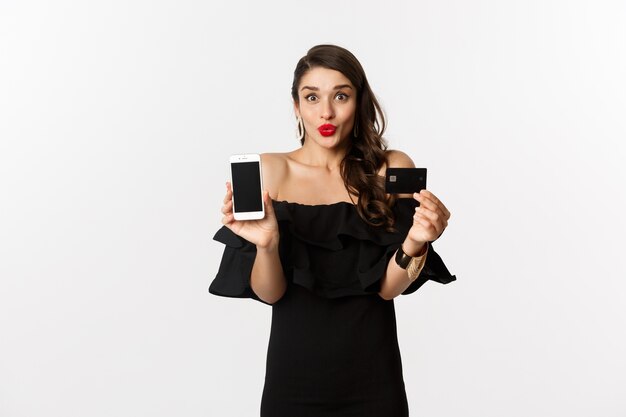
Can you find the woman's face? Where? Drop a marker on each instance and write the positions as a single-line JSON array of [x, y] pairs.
[[327, 104]]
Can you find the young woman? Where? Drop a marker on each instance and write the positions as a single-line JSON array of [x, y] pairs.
[[333, 251]]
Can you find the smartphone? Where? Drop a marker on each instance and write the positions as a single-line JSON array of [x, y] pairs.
[[246, 180], [405, 180]]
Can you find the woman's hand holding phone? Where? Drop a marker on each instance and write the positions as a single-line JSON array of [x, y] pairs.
[[263, 233], [429, 222]]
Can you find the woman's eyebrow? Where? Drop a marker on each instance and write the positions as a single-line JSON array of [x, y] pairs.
[[337, 87]]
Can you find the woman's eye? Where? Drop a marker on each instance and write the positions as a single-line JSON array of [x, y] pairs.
[[342, 96], [310, 97]]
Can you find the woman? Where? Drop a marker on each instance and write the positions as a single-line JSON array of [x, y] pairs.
[[333, 251]]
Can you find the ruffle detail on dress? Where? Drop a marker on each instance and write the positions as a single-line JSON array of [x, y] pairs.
[[233, 275], [327, 249], [329, 226]]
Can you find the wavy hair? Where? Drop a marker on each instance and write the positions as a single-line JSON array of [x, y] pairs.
[[366, 152]]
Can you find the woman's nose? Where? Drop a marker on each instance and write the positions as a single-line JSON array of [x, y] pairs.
[[328, 112]]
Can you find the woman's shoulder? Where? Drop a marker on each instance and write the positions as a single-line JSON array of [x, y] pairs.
[[275, 161], [396, 159], [275, 167]]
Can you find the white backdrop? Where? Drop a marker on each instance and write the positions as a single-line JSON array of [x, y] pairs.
[[116, 122]]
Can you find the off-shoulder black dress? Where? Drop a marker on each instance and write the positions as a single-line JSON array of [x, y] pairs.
[[333, 348]]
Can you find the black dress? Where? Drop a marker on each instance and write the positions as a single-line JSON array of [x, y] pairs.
[[333, 348]]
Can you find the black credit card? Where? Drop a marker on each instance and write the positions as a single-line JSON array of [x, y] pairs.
[[405, 180]]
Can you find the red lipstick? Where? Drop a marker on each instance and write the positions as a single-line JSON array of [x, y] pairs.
[[327, 129]]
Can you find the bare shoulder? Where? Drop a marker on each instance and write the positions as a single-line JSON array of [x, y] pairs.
[[275, 168], [396, 159]]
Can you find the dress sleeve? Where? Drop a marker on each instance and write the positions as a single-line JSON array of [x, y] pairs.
[[434, 270], [233, 275]]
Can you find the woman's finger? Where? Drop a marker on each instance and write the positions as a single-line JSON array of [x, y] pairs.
[[228, 195], [433, 212], [429, 204], [435, 220], [227, 208], [432, 197], [429, 231], [422, 220], [227, 219], [442, 206], [269, 207], [433, 216]]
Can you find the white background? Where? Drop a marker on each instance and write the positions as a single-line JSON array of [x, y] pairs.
[[116, 122]]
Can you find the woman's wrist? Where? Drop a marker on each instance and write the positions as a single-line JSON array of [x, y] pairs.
[[414, 249], [270, 245], [413, 262]]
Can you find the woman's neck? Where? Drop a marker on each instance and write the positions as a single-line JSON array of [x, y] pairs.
[[313, 155]]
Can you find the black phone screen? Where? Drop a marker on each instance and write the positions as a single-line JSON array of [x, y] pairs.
[[246, 186]]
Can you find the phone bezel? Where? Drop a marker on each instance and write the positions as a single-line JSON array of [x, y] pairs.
[[246, 215]]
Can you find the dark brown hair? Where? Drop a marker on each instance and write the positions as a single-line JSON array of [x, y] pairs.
[[366, 152]]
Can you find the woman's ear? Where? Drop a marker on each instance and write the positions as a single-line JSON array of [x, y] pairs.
[[296, 108]]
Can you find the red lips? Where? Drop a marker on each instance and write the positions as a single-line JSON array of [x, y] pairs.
[[327, 129]]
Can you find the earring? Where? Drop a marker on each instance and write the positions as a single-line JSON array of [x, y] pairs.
[[300, 129], [355, 133]]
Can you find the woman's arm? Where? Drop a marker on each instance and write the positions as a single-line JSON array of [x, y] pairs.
[[267, 278], [429, 221]]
